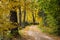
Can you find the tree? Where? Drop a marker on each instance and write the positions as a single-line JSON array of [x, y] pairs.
[[34, 6], [51, 8]]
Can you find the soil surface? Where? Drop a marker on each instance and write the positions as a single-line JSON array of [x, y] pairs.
[[33, 33]]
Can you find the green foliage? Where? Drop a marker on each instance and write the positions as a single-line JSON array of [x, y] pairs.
[[51, 8], [50, 13]]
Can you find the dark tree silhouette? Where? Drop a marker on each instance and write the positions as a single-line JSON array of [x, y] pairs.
[[13, 16], [20, 15], [33, 18]]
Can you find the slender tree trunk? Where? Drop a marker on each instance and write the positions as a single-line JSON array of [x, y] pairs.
[[33, 18], [24, 13], [20, 15]]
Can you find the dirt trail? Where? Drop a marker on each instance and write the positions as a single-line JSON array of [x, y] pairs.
[[33, 33]]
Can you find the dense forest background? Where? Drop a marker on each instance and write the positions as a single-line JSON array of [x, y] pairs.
[[45, 13]]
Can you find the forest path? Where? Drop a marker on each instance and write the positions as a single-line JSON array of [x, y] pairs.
[[33, 33]]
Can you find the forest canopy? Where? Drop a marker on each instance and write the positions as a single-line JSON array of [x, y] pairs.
[[17, 13]]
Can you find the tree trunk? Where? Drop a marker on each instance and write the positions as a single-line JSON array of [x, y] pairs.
[[33, 18], [24, 14], [20, 15]]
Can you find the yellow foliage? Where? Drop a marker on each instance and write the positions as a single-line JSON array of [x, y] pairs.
[[5, 11]]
